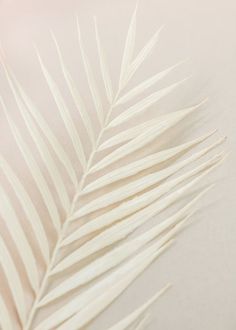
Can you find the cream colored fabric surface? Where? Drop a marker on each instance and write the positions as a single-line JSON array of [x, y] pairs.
[[202, 263]]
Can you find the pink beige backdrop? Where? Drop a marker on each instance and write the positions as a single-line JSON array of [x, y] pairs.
[[202, 264]]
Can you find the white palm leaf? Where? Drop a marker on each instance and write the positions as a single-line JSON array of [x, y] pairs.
[[76, 96], [31, 212], [47, 132], [104, 69], [94, 259], [65, 115]]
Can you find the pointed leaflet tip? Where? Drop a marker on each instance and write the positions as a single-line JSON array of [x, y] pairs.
[[128, 51], [142, 55], [56, 44], [2, 56], [2, 53], [208, 135], [104, 66], [198, 105], [224, 156], [35, 47], [186, 60], [161, 28], [38, 54], [204, 101], [166, 288], [5, 67], [53, 36], [4, 107], [136, 8], [179, 63], [211, 186]]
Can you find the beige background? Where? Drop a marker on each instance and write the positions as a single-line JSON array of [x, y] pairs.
[[202, 264]]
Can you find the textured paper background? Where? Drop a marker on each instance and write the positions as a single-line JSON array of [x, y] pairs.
[[202, 264]]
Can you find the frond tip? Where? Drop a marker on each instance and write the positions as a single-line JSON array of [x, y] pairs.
[[131, 318]]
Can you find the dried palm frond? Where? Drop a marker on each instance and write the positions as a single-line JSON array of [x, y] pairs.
[[116, 189]]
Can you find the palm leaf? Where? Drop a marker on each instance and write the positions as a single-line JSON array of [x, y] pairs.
[[94, 258], [36, 173], [128, 51], [144, 104], [91, 80], [104, 67], [142, 164], [43, 150], [20, 240], [75, 94], [65, 115], [146, 84], [47, 132], [144, 53], [27, 204]]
